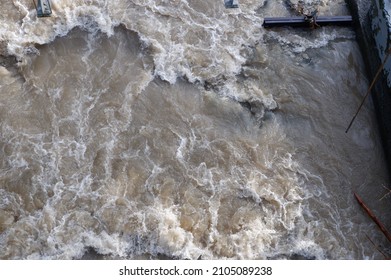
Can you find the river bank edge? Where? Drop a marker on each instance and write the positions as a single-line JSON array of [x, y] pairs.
[[374, 37]]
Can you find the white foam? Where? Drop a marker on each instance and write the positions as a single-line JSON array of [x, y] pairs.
[[115, 160]]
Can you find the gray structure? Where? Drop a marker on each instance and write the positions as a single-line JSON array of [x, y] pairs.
[[43, 8], [231, 3], [372, 24]]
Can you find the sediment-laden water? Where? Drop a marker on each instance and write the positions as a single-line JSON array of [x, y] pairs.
[[182, 129]]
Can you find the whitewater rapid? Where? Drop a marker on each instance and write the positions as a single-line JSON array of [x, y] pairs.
[[182, 129]]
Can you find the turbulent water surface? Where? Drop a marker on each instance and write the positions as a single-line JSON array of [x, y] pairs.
[[182, 129]]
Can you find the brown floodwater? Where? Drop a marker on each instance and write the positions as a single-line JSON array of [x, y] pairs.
[[181, 129]]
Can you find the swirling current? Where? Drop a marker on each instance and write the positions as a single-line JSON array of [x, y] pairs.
[[182, 129]]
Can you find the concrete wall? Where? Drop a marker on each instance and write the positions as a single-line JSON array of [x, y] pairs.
[[374, 36]]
